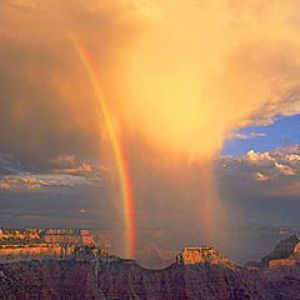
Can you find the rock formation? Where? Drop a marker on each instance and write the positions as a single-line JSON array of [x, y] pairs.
[[93, 277], [68, 236], [286, 253], [40, 244], [197, 273], [202, 255]]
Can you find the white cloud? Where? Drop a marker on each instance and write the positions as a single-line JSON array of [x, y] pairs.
[[270, 164], [243, 136], [259, 158], [276, 171]]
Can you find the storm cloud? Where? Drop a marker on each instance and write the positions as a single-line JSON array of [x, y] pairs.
[[177, 76]]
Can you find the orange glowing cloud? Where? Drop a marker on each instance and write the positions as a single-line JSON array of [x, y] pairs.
[[175, 74], [180, 73], [207, 67]]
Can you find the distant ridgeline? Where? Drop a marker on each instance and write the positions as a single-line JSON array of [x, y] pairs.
[[285, 254], [78, 270], [37, 243], [27, 244]]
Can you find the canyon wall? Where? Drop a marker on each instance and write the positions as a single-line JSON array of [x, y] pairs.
[[17, 245], [88, 272]]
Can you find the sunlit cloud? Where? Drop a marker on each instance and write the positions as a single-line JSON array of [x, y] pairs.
[[199, 84], [39, 181], [260, 177], [273, 173], [259, 158], [243, 136], [285, 169], [67, 171], [68, 164]]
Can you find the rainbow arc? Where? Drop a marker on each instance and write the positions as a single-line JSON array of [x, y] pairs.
[[116, 145]]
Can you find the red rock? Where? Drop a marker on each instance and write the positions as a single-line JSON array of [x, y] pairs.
[[201, 255]]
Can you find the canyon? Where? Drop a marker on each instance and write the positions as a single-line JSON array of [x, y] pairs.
[[28, 244], [76, 268]]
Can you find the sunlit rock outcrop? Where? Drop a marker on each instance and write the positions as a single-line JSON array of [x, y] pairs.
[[29, 244], [202, 255], [198, 273]]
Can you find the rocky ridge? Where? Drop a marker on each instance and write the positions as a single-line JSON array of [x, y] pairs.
[[197, 273], [286, 253], [28, 244]]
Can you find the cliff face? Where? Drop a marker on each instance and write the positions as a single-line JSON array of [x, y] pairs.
[[286, 253], [16, 245], [198, 273], [20, 237], [50, 236], [93, 279], [68, 236]]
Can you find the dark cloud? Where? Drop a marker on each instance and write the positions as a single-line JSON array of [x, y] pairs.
[[37, 118], [64, 171], [262, 186], [48, 106], [47, 103]]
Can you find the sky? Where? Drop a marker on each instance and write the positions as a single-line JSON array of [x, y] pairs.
[[173, 116], [284, 131]]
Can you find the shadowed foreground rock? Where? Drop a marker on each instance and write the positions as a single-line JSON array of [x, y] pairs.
[[73, 279]]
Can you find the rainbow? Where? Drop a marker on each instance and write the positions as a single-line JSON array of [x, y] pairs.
[[116, 144]]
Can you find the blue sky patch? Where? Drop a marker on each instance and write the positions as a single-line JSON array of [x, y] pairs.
[[285, 131]]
